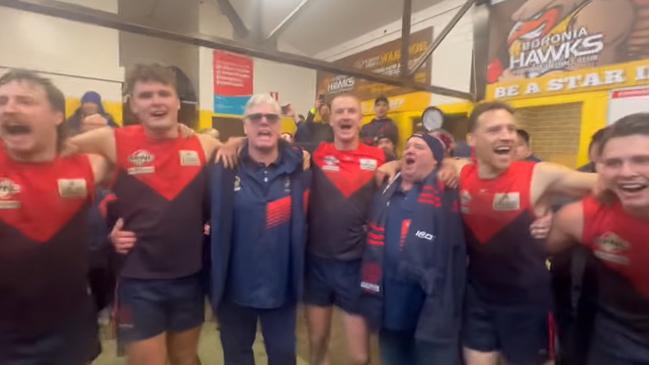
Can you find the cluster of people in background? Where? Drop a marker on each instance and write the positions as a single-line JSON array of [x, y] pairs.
[[448, 259]]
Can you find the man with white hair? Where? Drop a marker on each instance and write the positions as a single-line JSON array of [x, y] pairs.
[[258, 239]]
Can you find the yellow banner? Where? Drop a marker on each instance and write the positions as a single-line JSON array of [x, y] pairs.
[[586, 79]]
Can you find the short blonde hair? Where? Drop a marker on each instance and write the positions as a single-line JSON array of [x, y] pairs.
[[260, 99]]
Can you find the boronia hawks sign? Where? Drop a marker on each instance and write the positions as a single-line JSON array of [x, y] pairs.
[[549, 40]]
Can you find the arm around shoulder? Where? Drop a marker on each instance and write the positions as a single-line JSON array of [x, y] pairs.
[[100, 168], [567, 227], [100, 141], [557, 179]]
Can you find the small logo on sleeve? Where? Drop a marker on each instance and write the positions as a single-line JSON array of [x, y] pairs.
[[8, 192], [73, 188], [141, 161]]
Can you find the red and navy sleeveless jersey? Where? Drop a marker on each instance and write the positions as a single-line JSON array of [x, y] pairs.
[[506, 265], [620, 242], [342, 190], [43, 241], [161, 193]]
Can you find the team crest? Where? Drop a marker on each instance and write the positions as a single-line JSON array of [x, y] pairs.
[[139, 159], [287, 185], [612, 248], [237, 183], [8, 189]]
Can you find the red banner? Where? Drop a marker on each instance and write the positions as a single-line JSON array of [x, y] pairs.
[[232, 74]]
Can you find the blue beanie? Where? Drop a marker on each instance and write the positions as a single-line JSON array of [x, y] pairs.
[[434, 144], [95, 98]]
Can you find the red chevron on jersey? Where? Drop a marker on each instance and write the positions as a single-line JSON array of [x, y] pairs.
[[489, 205], [348, 171], [166, 166], [619, 240], [39, 199], [278, 212]]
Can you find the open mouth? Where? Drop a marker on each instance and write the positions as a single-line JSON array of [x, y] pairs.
[[345, 127], [502, 150], [631, 187], [16, 129], [409, 161], [158, 113], [264, 134]]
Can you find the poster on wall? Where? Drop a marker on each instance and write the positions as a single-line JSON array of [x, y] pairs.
[[541, 47], [384, 59], [623, 102], [233, 75]]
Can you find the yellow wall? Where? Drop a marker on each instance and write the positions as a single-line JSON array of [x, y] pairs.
[[594, 111]]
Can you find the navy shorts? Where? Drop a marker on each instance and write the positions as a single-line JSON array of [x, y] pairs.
[[523, 335], [149, 307], [613, 344], [74, 342], [333, 282]]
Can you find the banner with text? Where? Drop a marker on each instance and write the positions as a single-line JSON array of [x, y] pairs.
[[233, 75], [384, 59], [543, 47]]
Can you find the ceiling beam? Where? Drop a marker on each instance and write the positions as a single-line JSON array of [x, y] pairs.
[[101, 18], [239, 27], [438, 40]]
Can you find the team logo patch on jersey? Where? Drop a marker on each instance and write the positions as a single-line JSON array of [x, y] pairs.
[[612, 248], [72, 188], [331, 163], [287, 185], [237, 183], [189, 158], [465, 202], [8, 190], [368, 164], [505, 202], [140, 159]]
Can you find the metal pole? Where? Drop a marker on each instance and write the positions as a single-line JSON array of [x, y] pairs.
[[438, 40], [287, 21], [405, 37], [105, 19]]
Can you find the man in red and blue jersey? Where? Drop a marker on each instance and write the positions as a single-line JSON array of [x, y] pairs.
[[46, 313], [340, 198], [615, 228], [161, 192], [508, 302]]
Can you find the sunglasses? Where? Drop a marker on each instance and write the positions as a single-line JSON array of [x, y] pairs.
[[256, 117]]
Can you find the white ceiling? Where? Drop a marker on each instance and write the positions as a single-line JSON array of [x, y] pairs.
[[322, 24]]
